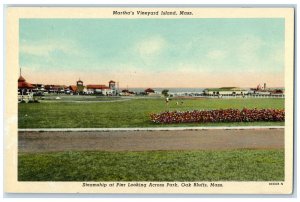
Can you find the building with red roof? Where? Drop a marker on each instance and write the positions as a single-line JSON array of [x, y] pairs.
[[98, 89], [73, 88], [149, 90], [94, 86], [55, 88], [23, 86]]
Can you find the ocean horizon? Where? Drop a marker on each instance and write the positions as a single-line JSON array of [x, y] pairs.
[[183, 90]]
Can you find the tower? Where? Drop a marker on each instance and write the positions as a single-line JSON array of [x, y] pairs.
[[112, 85], [80, 86], [79, 83]]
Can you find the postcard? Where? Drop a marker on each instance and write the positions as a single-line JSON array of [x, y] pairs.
[[149, 100]]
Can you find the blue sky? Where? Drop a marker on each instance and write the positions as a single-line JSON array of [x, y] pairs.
[[153, 52]]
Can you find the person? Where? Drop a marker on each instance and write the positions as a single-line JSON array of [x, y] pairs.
[[167, 100]]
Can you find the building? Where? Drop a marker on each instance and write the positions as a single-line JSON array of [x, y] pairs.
[[73, 89], [233, 91], [58, 89], [152, 92], [80, 87], [25, 90], [126, 92], [92, 89], [113, 87], [149, 90], [260, 87], [39, 89], [263, 90], [99, 89], [24, 87]]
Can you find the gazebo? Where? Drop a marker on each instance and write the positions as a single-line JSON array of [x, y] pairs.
[[149, 90], [23, 86]]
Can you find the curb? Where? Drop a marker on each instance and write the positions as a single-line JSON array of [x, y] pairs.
[[146, 129]]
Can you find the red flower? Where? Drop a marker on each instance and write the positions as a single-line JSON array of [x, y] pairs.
[[226, 115]]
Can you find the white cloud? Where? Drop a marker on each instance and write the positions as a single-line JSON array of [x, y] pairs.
[[150, 46], [38, 50], [45, 48], [216, 54]]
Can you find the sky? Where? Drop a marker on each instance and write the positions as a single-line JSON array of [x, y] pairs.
[[187, 53]]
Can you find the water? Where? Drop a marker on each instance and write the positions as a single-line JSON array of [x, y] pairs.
[[180, 90], [171, 90]]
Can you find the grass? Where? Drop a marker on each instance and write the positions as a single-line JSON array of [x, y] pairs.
[[68, 98], [130, 113], [232, 165]]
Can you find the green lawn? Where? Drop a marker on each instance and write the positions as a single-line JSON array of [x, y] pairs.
[[232, 165], [130, 113], [66, 98]]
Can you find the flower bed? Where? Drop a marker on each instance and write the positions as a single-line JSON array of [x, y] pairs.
[[222, 115]]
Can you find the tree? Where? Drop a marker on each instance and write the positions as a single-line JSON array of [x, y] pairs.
[[165, 92]]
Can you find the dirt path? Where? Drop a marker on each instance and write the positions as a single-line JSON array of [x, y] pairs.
[[151, 140]]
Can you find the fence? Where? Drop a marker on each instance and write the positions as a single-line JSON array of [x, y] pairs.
[[25, 98]]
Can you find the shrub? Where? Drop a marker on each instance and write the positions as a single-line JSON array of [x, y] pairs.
[[222, 115]]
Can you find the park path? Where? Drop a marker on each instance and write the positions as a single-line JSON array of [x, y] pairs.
[[151, 140]]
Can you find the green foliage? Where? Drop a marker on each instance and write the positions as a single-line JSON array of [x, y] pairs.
[[130, 113], [232, 165]]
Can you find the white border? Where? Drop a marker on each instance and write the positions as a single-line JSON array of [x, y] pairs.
[[61, 197], [59, 187]]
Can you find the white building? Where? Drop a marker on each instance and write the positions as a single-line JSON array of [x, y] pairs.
[[225, 91]]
